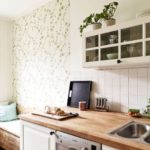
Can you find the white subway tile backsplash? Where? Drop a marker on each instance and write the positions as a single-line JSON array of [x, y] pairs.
[[133, 101], [108, 74], [142, 102], [149, 92], [133, 82], [124, 83], [116, 90], [142, 87], [142, 72], [149, 72], [133, 91], [101, 83], [124, 88], [142, 91], [142, 81], [124, 102], [133, 73], [124, 73]]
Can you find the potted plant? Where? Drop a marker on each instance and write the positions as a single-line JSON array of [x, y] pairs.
[[108, 13], [92, 19], [96, 19], [147, 110]]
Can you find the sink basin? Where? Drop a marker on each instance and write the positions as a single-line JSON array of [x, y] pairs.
[[133, 130], [147, 139]]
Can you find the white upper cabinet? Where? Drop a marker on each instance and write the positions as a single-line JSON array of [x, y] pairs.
[[118, 46]]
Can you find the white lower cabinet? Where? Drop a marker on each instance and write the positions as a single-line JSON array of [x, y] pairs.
[[35, 137], [104, 147]]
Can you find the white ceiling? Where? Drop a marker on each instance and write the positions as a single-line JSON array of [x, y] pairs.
[[16, 8]]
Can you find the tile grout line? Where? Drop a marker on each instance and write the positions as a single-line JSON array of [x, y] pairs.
[[128, 88], [147, 83], [120, 90]]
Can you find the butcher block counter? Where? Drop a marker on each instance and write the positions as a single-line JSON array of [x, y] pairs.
[[94, 126]]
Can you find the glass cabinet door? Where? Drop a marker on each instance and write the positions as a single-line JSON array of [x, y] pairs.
[[109, 38], [147, 30], [109, 53], [147, 48], [92, 55], [132, 33], [92, 41], [132, 50]]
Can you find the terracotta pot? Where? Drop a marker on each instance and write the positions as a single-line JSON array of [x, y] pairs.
[[109, 22]]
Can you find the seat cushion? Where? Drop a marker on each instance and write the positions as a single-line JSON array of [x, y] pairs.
[[11, 126], [8, 112]]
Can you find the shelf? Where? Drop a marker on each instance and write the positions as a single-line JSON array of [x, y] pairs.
[[147, 39], [110, 45], [90, 49], [131, 42]]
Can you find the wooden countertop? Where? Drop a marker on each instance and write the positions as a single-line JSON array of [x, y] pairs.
[[94, 126]]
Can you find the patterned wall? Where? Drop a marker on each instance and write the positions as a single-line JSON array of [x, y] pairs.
[[41, 50]]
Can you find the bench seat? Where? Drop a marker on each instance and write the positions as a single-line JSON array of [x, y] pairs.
[[10, 135]]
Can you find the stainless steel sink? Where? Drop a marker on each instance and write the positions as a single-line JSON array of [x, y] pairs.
[[135, 131], [147, 139]]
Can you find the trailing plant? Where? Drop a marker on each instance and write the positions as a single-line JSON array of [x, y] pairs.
[[109, 11], [106, 14], [91, 19]]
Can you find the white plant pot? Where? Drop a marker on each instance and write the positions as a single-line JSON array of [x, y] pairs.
[[110, 22], [92, 27], [96, 26]]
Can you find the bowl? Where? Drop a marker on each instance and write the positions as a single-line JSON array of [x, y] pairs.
[[112, 56]]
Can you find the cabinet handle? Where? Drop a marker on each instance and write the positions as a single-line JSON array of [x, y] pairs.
[[119, 61], [51, 133]]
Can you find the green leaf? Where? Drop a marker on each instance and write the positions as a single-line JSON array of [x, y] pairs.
[[106, 14], [116, 3]]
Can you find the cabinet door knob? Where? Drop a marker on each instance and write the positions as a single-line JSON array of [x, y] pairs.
[[119, 61], [51, 133]]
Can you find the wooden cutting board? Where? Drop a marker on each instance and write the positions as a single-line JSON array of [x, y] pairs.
[[56, 117]]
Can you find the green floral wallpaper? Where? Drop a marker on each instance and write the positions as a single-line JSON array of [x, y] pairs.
[[41, 50]]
